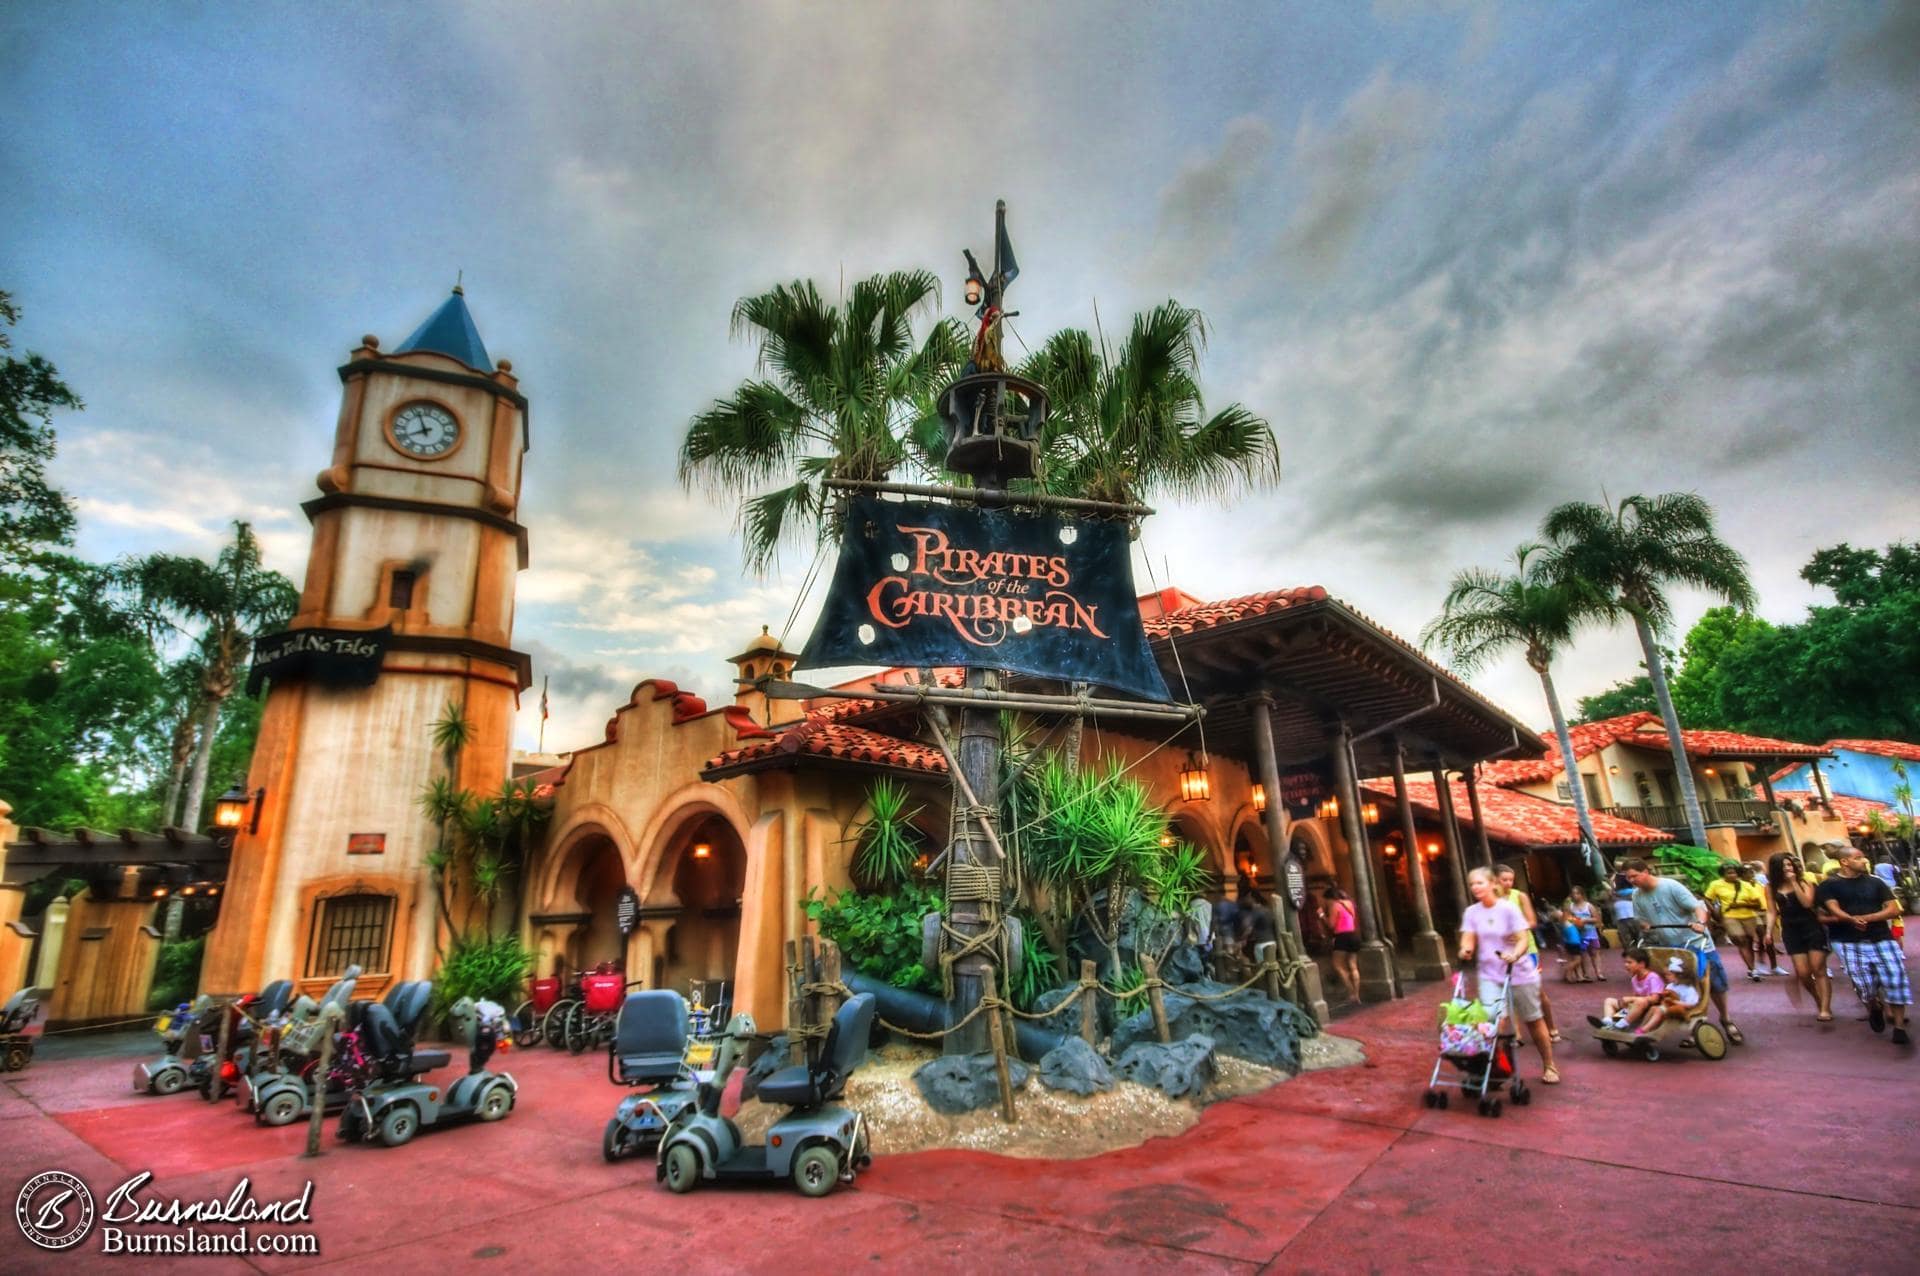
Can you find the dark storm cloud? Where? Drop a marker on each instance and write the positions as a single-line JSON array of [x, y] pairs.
[[566, 677]]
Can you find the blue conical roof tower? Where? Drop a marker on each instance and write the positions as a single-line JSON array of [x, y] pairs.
[[450, 331]]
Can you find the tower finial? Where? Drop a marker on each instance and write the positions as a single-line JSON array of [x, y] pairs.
[[459, 277]]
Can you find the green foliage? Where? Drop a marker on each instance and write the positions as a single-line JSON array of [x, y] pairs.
[[879, 934], [33, 513], [176, 972], [1696, 687], [1036, 974], [1694, 867], [886, 844], [489, 968], [1635, 695], [1486, 613], [1633, 553]]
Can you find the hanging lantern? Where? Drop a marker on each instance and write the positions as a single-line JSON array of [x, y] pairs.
[[1370, 813], [1329, 809], [702, 850], [1194, 784], [1260, 797]]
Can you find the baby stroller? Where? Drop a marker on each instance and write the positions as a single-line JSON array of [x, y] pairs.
[[1477, 1041], [1680, 1026]]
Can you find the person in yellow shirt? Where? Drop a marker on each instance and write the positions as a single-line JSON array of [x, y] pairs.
[[1742, 911]]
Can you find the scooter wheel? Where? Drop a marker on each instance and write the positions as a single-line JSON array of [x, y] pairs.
[[282, 1109], [400, 1123], [613, 1145], [1611, 1048], [1650, 1052], [816, 1170], [1710, 1041], [169, 1081], [683, 1169], [498, 1103]]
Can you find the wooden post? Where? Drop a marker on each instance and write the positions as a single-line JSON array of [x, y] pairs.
[[997, 1041], [830, 974], [1151, 969], [317, 1119], [217, 1089], [1269, 955], [796, 1005], [810, 973], [1479, 821], [1090, 1004]]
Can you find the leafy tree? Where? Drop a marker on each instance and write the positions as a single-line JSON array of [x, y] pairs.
[[1489, 613], [1634, 695], [33, 513], [223, 606], [844, 388], [1631, 555], [1850, 671], [1696, 687], [481, 841]]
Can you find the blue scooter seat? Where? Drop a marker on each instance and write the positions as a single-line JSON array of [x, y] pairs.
[[428, 1060], [806, 1085], [650, 1038]]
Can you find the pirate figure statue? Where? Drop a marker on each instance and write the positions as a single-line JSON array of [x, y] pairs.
[[987, 293]]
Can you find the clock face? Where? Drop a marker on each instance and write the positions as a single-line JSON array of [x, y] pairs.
[[426, 431]]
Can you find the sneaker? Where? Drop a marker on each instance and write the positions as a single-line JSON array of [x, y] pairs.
[[1778, 970], [1900, 1037], [1754, 975], [1877, 1017], [1598, 1022]]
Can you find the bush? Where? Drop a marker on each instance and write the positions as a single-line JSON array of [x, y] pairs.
[[879, 934], [1694, 867], [483, 969], [176, 973]]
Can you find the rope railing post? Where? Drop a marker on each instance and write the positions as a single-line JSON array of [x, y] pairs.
[[1090, 1003], [1269, 955], [997, 1039], [1151, 969]]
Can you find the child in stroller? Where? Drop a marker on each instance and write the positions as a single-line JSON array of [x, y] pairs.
[[1677, 1017]]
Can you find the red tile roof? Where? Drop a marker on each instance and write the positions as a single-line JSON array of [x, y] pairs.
[[1885, 748], [1642, 730], [1520, 819], [821, 738], [1853, 810], [1208, 615]]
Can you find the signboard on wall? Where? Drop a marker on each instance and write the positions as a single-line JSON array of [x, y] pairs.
[[342, 657], [925, 585], [1296, 879], [626, 910], [366, 843], [1302, 788]]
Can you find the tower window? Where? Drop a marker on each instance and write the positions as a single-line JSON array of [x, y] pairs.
[[400, 592], [350, 930]]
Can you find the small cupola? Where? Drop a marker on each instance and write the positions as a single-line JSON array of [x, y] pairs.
[[763, 658]]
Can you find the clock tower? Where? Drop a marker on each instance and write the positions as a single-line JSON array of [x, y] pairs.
[[416, 546]]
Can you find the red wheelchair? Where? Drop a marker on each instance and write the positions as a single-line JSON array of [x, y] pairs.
[[584, 1017]]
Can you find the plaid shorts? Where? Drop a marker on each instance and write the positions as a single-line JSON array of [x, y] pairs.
[[1879, 970]]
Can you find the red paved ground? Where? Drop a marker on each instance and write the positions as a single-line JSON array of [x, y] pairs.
[[1798, 1153]]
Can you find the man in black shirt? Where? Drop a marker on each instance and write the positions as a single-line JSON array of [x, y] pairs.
[[1857, 907]]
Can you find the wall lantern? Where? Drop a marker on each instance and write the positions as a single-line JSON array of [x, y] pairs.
[[1194, 784], [1865, 829], [1329, 809], [159, 892], [702, 850], [1370, 813], [1391, 850], [230, 809], [1711, 771], [1260, 797], [1613, 769], [1166, 838]]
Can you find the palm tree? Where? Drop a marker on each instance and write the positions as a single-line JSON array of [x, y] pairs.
[[1486, 613], [183, 681], [1631, 554], [845, 386], [230, 601], [1124, 428]]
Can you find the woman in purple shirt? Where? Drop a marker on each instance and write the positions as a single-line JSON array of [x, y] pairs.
[[1493, 935]]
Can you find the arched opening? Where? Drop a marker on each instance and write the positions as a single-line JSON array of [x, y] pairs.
[[597, 890], [701, 876], [1252, 857]]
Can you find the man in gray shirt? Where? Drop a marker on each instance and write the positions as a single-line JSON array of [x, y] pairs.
[[1674, 917]]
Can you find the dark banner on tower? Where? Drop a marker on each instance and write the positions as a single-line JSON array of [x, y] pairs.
[[341, 657], [920, 584]]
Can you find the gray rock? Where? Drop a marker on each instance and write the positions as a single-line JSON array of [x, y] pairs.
[[1184, 963], [1179, 1068], [1245, 1025], [1075, 1066], [965, 1083]]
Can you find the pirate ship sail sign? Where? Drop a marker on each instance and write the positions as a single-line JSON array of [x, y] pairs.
[[984, 583], [920, 584]]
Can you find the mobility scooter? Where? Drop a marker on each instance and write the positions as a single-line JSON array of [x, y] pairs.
[[816, 1145], [189, 1035], [16, 1043], [279, 1086], [649, 1048], [393, 1101]]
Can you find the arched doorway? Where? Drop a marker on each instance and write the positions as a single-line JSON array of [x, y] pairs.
[[597, 891], [697, 890]]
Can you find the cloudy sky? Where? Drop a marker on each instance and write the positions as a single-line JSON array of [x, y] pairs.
[[1469, 260]]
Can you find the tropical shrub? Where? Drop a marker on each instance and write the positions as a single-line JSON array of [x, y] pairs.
[[886, 847], [879, 933], [1694, 867], [485, 969]]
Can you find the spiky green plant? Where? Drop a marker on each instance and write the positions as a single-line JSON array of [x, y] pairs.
[[886, 844]]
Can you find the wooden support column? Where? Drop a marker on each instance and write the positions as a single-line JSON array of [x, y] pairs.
[[1378, 979], [1450, 830], [1313, 998], [1782, 820], [1427, 949], [1479, 822]]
